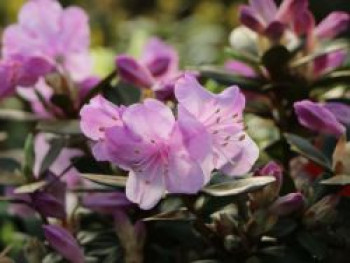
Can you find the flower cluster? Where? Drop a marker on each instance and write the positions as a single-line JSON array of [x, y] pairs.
[[162, 153]]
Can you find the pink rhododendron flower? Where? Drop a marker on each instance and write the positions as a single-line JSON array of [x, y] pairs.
[[47, 31], [317, 117], [96, 117], [334, 24], [234, 152], [157, 69], [151, 147], [328, 62]]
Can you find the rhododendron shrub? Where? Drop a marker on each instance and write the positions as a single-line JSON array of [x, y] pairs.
[[164, 162]]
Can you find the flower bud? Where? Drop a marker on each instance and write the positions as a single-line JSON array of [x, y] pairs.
[[64, 243], [107, 203], [134, 73], [316, 117], [47, 205], [287, 204]]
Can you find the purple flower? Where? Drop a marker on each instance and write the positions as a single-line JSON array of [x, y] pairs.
[[240, 68], [157, 69], [220, 116], [151, 147], [263, 16], [59, 36], [328, 62], [340, 111], [48, 205], [287, 204], [107, 203], [64, 243], [275, 170], [334, 24], [96, 117], [317, 117]]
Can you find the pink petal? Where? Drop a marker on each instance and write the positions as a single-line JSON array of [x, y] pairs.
[[266, 9], [8, 81], [191, 95], [240, 68], [250, 19], [146, 188], [290, 10], [329, 62], [239, 158], [275, 30], [334, 24], [75, 33], [161, 59], [133, 72], [97, 116], [150, 120]]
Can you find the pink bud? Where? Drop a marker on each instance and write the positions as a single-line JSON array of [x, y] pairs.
[[64, 243], [287, 204]]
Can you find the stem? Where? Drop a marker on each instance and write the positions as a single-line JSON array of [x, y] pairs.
[[202, 227]]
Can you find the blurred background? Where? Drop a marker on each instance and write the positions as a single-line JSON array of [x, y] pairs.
[[198, 28]]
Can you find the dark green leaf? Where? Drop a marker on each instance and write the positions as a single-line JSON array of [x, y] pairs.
[[109, 180], [239, 186], [228, 79], [246, 58], [16, 115], [305, 148], [178, 215], [341, 180], [64, 127], [313, 245], [29, 157]]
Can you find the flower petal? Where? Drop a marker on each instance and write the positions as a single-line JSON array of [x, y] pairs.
[[334, 24], [133, 72], [64, 243], [146, 188]]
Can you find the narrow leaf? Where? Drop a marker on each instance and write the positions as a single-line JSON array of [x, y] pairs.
[[30, 188], [64, 127], [177, 215], [305, 148], [109, 180], [239, 186], [341, 180], [56, 147]]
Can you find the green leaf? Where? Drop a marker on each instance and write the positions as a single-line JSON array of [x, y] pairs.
[[108, 180], [305, 148], [341, 180], [228, 79], [10, 172], [56, 147], [30, 188], [64, 127], [177, 215], [244, 57], [239, 186], [313, 245], [29, 157], [17, 115]]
